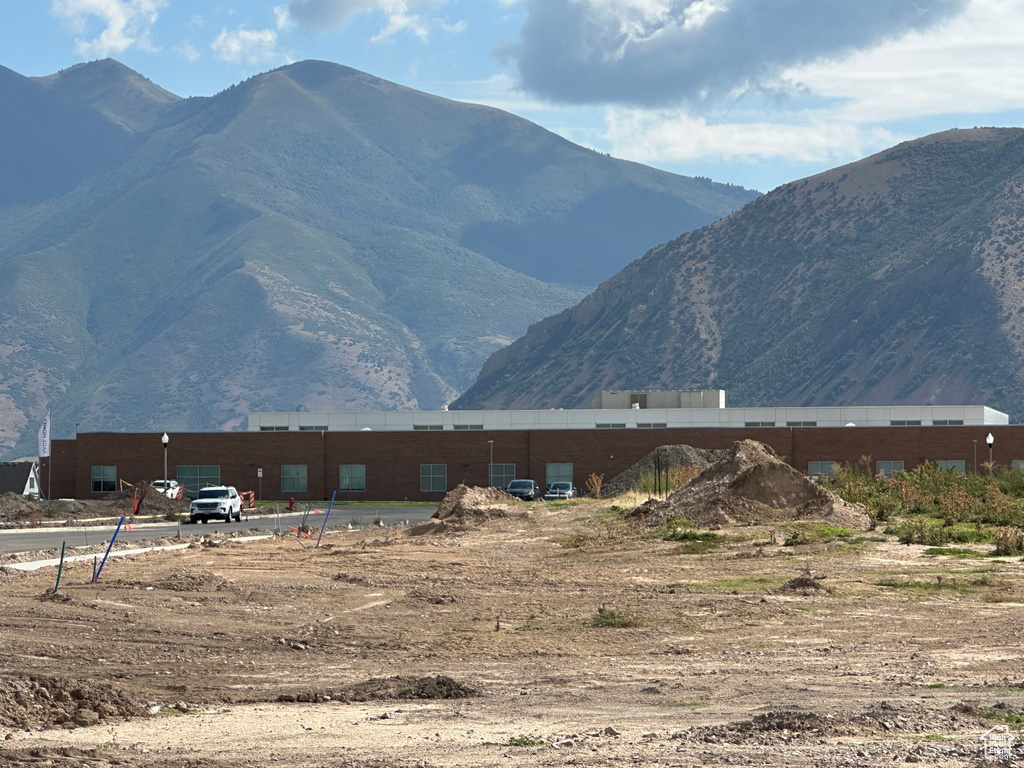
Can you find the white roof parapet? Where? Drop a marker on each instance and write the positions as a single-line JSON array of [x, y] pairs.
[[631, 418]]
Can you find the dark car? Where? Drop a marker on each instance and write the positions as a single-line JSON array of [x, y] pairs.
[[525, 489]]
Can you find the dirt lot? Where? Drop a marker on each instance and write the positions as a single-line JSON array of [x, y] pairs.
[[478, 646]]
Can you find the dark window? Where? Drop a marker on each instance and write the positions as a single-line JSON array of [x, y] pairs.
[[352, 477], [433, 478], [104, 479], [194, 477], [293, 478]]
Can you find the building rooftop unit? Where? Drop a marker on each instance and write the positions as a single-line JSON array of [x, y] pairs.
[[630, 417]]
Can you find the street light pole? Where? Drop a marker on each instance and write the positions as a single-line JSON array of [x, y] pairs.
[[490, 465], [165, 440], [991, 441]]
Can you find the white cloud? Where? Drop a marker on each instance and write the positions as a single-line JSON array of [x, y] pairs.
[[400, 15], [843, 108], [187, 51], [246, 46], [659, 137], [283, 17], [972, 64], [664, 52], [126, 23]]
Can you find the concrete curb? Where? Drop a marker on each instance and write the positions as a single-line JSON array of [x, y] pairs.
[[54, 562]]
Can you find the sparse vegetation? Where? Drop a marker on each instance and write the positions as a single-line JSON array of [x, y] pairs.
[[609, 617], [522, 740], [936, 507]]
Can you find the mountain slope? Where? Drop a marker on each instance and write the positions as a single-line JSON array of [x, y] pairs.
[[897, 279], [313, 235]]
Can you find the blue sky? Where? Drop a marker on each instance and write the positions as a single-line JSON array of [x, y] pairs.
[[752, 92]]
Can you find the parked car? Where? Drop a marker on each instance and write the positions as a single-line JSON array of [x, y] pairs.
[[560, 490], [219, 501], [524, 489], [171, 489]]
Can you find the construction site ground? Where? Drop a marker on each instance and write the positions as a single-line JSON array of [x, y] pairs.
[[549, 635]]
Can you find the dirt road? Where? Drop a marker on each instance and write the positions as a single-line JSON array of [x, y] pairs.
[[556, 636]]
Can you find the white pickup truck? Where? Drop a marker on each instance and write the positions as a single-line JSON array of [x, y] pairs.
[[218, 501]]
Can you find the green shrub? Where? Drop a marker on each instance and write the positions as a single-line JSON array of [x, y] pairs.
[[1009, 541], [524, 741], [608, 617]]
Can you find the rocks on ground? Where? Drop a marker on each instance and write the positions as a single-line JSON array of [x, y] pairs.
[[37, 701], [385, 688], [751, 484]]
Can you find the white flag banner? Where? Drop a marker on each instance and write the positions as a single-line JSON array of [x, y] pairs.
[[44, 436]]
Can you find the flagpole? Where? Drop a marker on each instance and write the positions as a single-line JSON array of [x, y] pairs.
[[45, 452]]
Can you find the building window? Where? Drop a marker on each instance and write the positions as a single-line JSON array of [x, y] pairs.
[[948, 422], [273, 429], [758, 423], [652, 426], [955, 464], [425, 427], [609, 426], [312, 429], [558, 473], [192, 478], [886, 468], [469, 426], [293, 478], [815, 468], [639, 399], [352, 477], [502, 475], [905, 423], [104, 479], [433, 478], [801, 423]]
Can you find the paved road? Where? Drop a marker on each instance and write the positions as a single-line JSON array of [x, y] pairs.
[[35, 539]]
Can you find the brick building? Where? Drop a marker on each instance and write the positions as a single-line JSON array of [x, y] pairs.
[[387, 455]]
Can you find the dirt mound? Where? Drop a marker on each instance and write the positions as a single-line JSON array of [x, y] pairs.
[[668, 457], [15, 507], [464, 506], [384, 688], [804, 583], [751, 484], [153, 503], [33, 702]]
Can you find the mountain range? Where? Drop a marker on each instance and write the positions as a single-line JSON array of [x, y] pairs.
[[313, 236], [898, 279]]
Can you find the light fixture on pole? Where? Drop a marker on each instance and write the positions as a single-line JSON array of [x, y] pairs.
[[490, 465], [165, 440], [991, 441]]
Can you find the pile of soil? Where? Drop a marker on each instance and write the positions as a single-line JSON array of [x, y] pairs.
[[668, 457], [36, 702], [387, 688], [751, 484], [465, 506], [154, 503], [805, 583], [793, 724], [16, 508]]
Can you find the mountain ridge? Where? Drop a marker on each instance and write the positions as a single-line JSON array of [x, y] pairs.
[[312, 235], [873, 283]]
